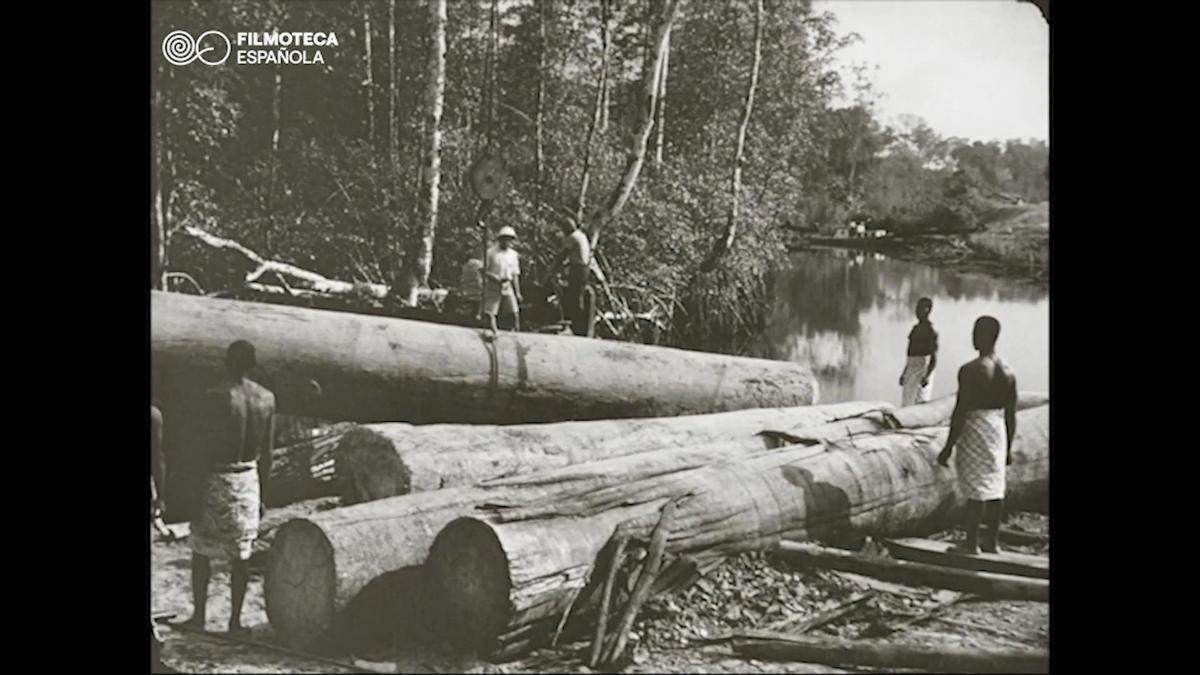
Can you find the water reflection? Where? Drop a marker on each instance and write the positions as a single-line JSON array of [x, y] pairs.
[[847, 315]]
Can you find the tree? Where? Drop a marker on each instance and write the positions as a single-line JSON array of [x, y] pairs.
[[725, 241], [421, 261]]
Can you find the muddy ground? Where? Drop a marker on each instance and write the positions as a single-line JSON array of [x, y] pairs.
[[750, 591]]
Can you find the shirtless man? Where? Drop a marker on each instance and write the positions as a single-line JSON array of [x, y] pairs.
[[983, 426], [242, 415], [576, 251]]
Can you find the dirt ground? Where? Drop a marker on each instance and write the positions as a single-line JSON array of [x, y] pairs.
[[750, 591]]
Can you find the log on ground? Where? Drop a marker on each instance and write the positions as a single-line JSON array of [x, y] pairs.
[[986, 584], [939, 659], [390, 459], [319, 567], [376, 461], [532, 558], [941, 553], [362, 368]]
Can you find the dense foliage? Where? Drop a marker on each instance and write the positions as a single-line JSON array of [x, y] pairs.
[[319, 165]]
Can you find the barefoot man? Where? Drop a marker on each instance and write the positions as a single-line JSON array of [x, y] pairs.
[[158, 471], [917, 378], [982, 429], [239, 456]]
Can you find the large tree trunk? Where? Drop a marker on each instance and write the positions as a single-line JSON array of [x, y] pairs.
[[421, 262], [339, 572], [505, 579], [725, 241], [664, 19], [341, 366], [377, 461]]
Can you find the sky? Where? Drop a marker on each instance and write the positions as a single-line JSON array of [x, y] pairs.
[[978, 69]]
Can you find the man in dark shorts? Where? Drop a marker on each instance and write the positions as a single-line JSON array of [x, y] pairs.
[[982, 427], [241, 414], [576, 252], [917, 378]]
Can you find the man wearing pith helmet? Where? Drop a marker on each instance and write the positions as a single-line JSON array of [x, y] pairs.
[[502, 280]]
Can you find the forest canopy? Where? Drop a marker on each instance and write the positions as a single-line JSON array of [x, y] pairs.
[[322, 165]]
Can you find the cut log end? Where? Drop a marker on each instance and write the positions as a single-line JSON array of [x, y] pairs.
[[470, 575], [369, 468], [300, 583]]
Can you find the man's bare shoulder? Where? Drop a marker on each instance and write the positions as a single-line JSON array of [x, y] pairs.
[[261, 394]]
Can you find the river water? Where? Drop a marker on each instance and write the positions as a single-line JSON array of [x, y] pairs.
[[847, 315]]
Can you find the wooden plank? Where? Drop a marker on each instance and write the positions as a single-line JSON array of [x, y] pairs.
[[890, 656], [987, 584], [941, 553]]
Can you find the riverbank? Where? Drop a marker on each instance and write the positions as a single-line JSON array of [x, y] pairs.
[[1014, 244]]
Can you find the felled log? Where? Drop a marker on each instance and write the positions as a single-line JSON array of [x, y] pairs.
[[940, 553], [528, 558], [939, 659], [986, 584], [376, 461], [319, 567], [336, 365]]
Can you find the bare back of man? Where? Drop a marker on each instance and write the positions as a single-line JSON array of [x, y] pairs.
[[240, 414], [983, 425]]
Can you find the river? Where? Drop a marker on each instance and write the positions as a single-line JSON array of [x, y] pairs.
[[847, 315]]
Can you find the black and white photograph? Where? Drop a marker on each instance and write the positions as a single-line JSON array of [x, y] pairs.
[[617, 336]]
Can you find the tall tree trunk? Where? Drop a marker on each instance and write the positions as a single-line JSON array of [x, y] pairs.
[[422, 259], [597, 116], [725, 242], [369, 80], [664, 18], [605, 86], [661, 107], [543, 9], [393, 131], [158, 228]]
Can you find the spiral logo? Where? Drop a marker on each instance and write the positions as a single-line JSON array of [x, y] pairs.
[[211, 48]]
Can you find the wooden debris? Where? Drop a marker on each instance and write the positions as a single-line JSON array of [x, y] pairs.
[[940, 553], [649, 571], [605, 599], [839, 652], [1018, 538], [986, 584]]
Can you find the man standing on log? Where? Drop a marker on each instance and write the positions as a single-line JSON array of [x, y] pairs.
[[917, 378], [983, 426], [502, 280], [242, 415], [577, 253]]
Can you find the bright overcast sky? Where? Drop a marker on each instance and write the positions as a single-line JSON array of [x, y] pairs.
[[978, 69]]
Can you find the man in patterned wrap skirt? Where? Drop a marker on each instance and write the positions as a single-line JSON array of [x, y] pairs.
[[982, 429], [241, 414]]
